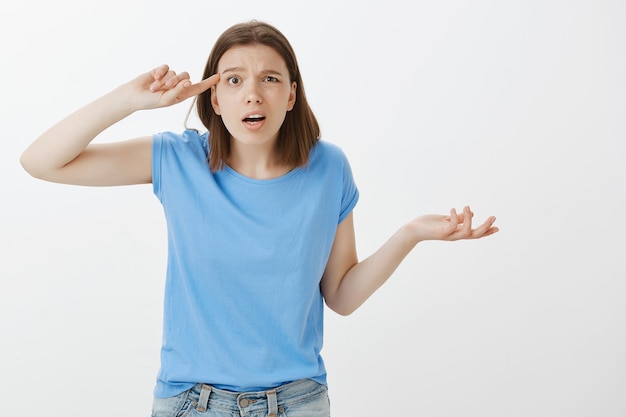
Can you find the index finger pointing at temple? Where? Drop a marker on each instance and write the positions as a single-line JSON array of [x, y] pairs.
[[205, 84]]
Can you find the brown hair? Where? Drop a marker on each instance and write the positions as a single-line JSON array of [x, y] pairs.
[[299, 131]]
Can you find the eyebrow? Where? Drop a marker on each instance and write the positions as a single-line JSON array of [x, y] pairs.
[[265, 71]]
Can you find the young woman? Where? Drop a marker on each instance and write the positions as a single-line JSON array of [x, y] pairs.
[[260, 228]]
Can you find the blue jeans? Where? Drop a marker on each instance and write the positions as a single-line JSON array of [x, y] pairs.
[[303, 398]]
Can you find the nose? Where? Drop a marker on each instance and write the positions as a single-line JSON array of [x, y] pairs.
[[253, 95]]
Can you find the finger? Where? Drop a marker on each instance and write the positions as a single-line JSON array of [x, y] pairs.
[[453, 223], [491, 231], [467, 222], [175, 79], [185, 89], [159, 72], [463, 215], [485, 229], [161, 83], [202, 86]]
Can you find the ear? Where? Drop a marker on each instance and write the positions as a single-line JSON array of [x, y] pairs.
[[214, 103], [292, 96]]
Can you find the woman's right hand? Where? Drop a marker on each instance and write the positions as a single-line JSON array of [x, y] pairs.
[[64, 152], [163, 87]]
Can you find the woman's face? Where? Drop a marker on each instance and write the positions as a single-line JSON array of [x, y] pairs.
[[254, 93]]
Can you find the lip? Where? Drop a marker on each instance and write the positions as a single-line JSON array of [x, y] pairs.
[[254, 125], [253, 113]]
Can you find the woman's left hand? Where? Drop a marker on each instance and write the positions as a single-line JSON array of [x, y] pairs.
[[455, 226]]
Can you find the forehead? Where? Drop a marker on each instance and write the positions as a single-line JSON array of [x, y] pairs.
[[252, 57]]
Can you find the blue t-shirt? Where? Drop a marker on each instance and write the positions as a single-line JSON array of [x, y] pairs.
[[243, 309]]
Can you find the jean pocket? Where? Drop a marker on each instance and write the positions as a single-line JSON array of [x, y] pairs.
[[178, 406], [317, 405]]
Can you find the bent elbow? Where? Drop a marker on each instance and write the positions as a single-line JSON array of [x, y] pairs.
[[27, 164], [36, 167], [344, 313], [30, 166], [340, 308]]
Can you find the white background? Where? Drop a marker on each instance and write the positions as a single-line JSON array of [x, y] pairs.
[[516, 108]]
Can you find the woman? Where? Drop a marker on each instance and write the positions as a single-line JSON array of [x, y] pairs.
[[260, 228]]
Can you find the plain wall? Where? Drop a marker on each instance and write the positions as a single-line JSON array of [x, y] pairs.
[[516, 108]]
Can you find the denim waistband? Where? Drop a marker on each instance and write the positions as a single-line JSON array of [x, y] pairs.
[[273, 400]]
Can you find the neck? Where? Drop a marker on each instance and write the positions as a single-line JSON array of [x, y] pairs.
[[256, 161]]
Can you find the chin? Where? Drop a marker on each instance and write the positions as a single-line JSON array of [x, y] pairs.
[[254, 138]]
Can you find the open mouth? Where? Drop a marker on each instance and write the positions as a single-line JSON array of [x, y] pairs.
[[254, 118]]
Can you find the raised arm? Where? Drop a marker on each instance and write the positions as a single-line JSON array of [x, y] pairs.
[[347, 283], [65, 154]]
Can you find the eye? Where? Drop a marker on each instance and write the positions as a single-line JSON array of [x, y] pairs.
[[234, 80], [271, 79]]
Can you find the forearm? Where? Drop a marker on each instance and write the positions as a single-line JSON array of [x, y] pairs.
[[364, 278], [347, 283], [64, 141]]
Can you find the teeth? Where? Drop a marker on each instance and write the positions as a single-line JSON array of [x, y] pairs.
[[253, 118]]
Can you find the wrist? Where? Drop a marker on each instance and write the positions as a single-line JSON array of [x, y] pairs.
[[410, 234], [123, 101]]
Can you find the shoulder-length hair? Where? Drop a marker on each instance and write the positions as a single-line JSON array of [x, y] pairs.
[[300, 130]]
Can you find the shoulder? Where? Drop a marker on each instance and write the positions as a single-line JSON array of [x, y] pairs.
[[188, 136], [189, 140], [327, 152]]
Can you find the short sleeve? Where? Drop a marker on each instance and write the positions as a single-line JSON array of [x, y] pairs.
[[350, 194], [173, 154], [157, 158]]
